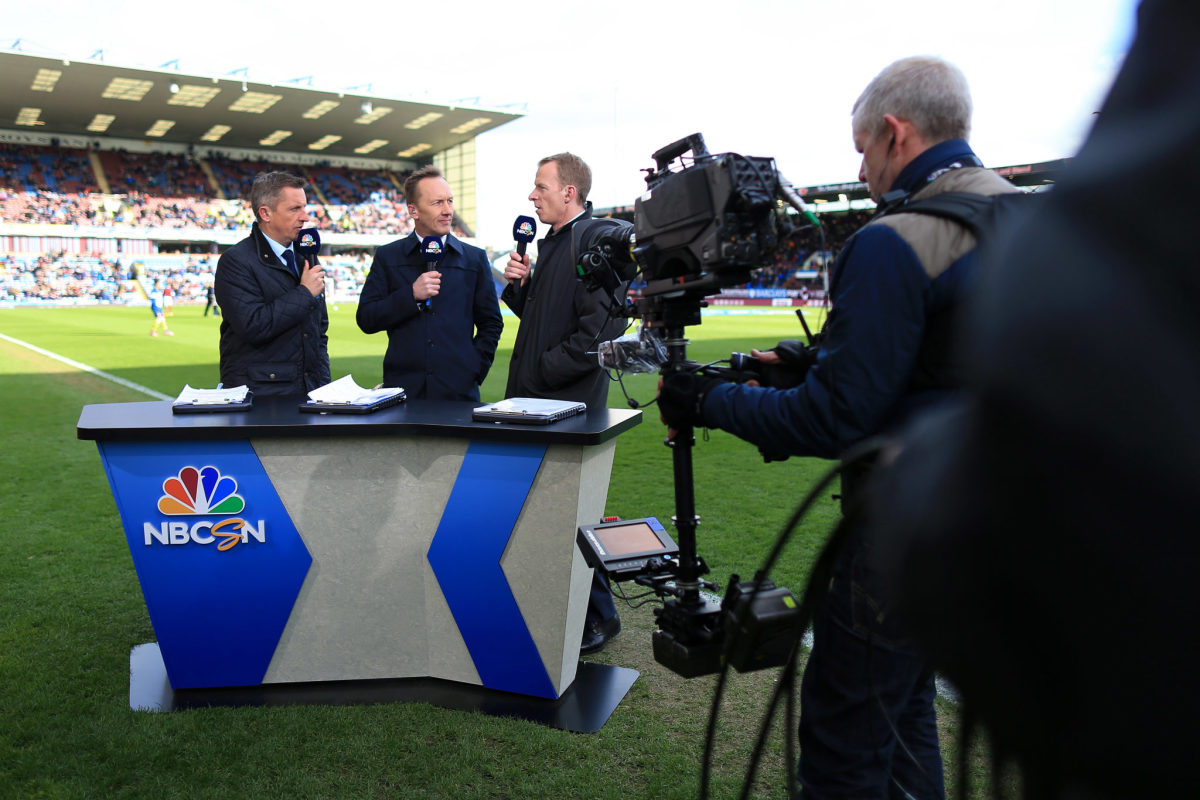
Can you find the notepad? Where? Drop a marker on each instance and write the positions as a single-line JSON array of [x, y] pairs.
[[212, 401], [344, 396], [528, 411]]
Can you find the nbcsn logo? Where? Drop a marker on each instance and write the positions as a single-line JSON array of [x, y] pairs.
[[200, 492]]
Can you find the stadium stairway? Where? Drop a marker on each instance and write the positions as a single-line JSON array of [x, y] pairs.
[[138, 288], [212, 179], [98, 171], [312, 185], [142, 292]]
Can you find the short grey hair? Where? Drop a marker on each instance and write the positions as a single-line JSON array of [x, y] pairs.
[[267, 187], [929, 92]]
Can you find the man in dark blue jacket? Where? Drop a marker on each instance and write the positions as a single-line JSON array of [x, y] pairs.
[[887, 352], [273, 332], [443, 324]]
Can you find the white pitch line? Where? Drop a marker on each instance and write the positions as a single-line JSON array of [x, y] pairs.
[[137, 387]]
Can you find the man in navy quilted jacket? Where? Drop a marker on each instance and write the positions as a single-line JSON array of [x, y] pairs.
[[273, 332]]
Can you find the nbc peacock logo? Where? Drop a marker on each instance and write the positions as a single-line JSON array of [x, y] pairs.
[[202, 491]]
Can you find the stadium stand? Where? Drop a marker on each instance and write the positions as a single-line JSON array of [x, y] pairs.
[[159, 190], [59, 278], [32, 169], [234, 176], [60, 188], [158, 174], [166, 192]]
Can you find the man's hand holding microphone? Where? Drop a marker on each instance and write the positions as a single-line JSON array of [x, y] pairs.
[[427, 285], [307, 246], [429, 282], [517, 269]]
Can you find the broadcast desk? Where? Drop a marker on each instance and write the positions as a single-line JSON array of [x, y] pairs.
[[411, 553]]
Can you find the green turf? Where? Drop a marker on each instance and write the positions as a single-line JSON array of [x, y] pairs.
[[72, 608]]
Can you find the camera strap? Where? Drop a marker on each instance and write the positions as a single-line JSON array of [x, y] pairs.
[[898, 198]]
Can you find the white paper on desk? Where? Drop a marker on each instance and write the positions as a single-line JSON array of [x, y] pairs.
[[344, 391], [203, 397]]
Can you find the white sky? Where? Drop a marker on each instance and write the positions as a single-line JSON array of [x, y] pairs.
[[613, 82]]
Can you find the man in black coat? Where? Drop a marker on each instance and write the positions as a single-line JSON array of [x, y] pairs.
[[273, 332], [562, 322], [443, 324]]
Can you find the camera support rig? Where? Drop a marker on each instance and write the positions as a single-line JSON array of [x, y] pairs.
[[688, 640], [698, 230], [752, 627]]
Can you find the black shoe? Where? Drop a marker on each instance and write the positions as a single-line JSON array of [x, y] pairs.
[[597, 634]]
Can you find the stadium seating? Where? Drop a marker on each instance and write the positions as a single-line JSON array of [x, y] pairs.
[[62, 170], [169, 191], [160, 174]]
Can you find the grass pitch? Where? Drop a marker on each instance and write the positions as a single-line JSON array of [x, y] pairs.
[[72, 608]]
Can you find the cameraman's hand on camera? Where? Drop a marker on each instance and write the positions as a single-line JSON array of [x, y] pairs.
[[785, 365], [767, 356], [517, 268], [681, 399]]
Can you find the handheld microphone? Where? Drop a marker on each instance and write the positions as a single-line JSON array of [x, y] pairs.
[[308, 245], [431, 253], [524, 229]]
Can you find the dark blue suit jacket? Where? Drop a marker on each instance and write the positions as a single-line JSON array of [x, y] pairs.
[[442, 351]]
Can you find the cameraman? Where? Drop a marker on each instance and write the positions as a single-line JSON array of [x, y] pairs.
[[867, 727]]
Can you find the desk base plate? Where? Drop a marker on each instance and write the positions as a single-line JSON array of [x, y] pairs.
[[584, 707]]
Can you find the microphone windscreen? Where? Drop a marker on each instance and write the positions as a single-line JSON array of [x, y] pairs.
[[308, 242], [431, 249], [524, 229]]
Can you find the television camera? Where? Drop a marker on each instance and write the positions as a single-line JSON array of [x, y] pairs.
[[698, 228]]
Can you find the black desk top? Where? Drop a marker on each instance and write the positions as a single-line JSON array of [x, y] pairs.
[[279, 417]]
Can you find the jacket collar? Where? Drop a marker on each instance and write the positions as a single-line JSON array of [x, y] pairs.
[[943, 156], [412, 246], [266, 253], [585, 214], [451, 257]]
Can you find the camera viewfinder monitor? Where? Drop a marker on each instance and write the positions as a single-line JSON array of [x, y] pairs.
[[621, 549]]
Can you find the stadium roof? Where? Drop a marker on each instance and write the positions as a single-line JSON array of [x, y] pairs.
[[62, 96]]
